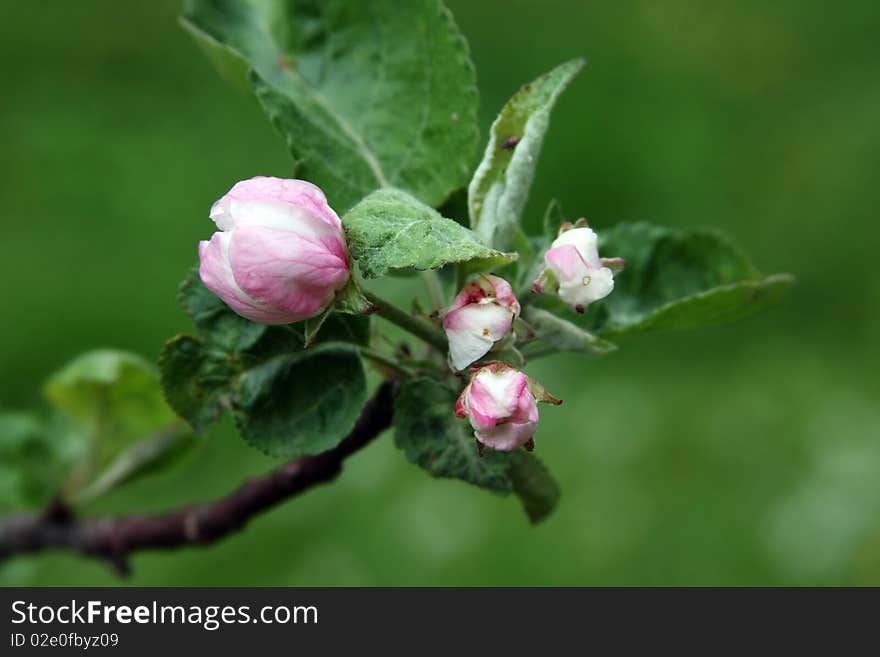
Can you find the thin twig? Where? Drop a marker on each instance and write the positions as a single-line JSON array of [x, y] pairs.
[[415, 325]]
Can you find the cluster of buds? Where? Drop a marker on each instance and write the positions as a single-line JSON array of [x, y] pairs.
[[280, 256], [499, 401]]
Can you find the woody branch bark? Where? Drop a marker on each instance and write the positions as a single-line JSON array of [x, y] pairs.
[[114, 539]]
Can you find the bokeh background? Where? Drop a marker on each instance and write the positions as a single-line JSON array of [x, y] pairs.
[[738, 455]]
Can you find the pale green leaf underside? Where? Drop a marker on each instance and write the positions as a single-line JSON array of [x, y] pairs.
[[367, 94], [115, 396], [555, 333], [390, 230], [676, 279], [113, 402], [500, 187], [719, 305]]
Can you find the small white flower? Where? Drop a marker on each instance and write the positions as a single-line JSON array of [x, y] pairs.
[[573, 265], [481, 316]]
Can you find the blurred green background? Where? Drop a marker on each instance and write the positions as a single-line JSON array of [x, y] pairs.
[[747, 454]]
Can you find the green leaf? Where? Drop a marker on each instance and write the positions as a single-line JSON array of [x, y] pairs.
[[115, 396], [197, 372], [534, 485], [677, 279], [426, 429], [342, 327], [430, 435], [113, 408], [500, 187], [235, 364], [196, 383], [231, 66], [367, 94], [312, 326], [144, 457], [391, 230], [29, 464], [302, 403], [552, 333]]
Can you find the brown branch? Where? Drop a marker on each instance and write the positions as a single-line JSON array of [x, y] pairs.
[[115, 538]]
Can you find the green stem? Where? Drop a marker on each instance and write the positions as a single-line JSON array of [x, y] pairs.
[[385, 361], [415, 325]]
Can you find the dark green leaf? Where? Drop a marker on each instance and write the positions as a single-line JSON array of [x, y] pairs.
[[195, 383], [391, 230], [430, 435], [426, 429], [342, 327], [367, 94], [500, 187], [534, 485], [302, 403], [312, 326], [29, 473], [678, 279], [199, 374]]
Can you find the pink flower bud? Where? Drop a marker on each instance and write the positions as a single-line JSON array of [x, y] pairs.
[[501, 405], [280, 255], [481, 316], [573, 263]]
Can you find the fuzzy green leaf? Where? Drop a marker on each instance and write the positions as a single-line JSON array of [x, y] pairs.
[[302, 403], [500, 187], [195, 384], [196, 371], [367, 94], [534, 485], [390, 230], [237, 365], [430, 435], [678, 279], [552, 333], [426, 429]]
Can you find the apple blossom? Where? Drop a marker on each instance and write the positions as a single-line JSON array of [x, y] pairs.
[[481, 317], [574, 267], [501, 404], [280, 255]]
